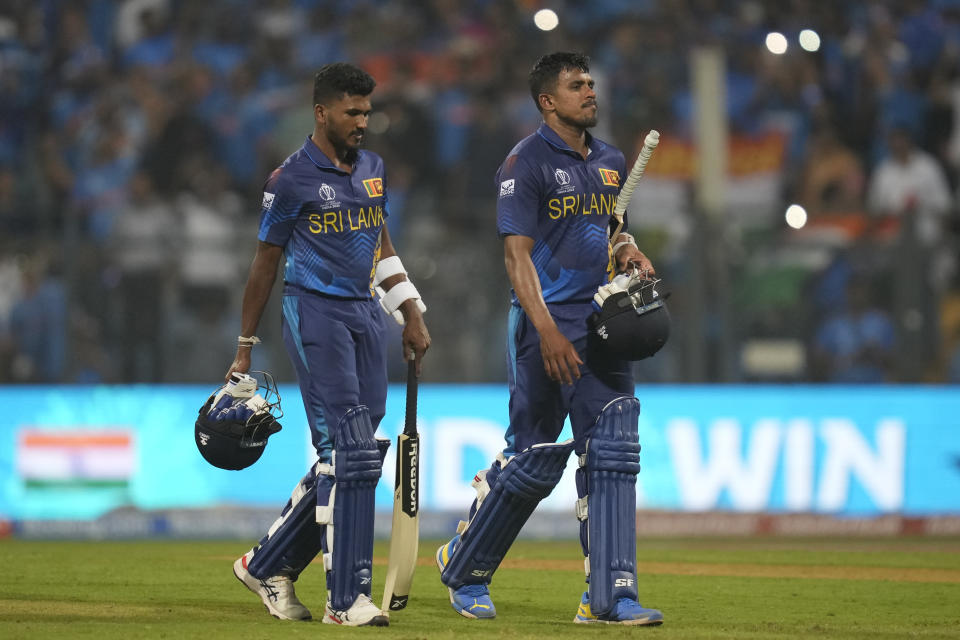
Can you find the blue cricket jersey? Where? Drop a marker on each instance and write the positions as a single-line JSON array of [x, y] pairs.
[[549, 192], [328, 221]]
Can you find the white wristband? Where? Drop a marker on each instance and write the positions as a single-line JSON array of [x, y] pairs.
[[247, 341], [626, 239], [388, 267]]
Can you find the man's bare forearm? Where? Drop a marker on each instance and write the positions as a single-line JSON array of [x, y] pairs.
[[526, 283], [263, 273]]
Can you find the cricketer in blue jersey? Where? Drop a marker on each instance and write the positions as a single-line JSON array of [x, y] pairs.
[[324, 212], [556, 192]]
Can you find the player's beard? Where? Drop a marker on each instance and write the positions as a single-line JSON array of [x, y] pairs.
[[581, 121], [346, 149]]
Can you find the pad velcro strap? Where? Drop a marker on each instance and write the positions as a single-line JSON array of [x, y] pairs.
[[388, 267], [582, 509]]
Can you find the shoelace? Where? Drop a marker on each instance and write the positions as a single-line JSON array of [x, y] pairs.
[[275, 586]]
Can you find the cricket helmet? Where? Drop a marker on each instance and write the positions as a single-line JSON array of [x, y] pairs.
[[632, 324], [235, 422]]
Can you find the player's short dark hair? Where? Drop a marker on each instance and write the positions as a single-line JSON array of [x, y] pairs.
[[337, 79], [547, 70]]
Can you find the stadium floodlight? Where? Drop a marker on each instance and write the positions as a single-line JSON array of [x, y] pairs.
[[546, 19], [776, 43], [796, 216], [809, 40]]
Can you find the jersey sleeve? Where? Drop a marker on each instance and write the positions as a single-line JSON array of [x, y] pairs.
[[518, 200], [279, 211]]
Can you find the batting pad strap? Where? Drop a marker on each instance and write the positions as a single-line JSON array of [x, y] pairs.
[[525, 480], [607, 481], [357, 465], [581, 508], [326, 493], [388, 267], [383, 445]]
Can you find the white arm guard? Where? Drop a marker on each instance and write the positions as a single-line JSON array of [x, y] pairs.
[[399, 293], [388, 267]]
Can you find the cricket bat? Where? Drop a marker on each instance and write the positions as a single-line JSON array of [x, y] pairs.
[[405, 530]]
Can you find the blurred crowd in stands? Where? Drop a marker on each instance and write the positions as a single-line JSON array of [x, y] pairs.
[[135, 136]]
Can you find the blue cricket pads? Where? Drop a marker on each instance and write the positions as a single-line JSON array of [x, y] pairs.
[[607, 508], [524, 481], [294, 539], [357, 464]]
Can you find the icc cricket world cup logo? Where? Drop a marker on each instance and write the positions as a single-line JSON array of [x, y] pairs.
[[327, 192]]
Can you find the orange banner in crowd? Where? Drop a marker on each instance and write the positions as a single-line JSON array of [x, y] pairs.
[[676, 158]]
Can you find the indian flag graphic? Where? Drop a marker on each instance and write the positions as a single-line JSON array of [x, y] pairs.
[[78, 458]]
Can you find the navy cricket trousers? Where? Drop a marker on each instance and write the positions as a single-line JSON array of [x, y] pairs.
[[339, 351], [538, 405]]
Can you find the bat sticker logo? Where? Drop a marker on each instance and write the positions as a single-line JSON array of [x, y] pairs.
[[409, 496]]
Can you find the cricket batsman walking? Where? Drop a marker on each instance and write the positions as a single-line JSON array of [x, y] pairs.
[[556, 192], [324, 211]]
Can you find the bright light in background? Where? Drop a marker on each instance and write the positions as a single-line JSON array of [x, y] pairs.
[[379, 122], [809, 40], [546, 19], [776, 42], [796, 216]]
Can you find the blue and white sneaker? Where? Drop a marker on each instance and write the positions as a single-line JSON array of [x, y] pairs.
[[470, 600], [626, 611]]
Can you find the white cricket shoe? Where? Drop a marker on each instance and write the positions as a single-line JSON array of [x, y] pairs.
[[362, 613], [276, 592]]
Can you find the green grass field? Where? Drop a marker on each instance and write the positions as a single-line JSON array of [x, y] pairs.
[[706, 588]]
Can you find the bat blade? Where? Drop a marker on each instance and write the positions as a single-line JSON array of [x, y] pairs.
[[405, 528]]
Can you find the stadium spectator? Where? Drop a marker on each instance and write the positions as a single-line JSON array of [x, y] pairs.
[[910, 186], [833, 179], [857, 344], [143, 247], [38, 325]]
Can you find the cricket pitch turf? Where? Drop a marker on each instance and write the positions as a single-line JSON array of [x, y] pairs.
[[764, 587]]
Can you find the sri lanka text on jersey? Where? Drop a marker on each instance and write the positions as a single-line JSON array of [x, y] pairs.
[[339, 221], [578, 204]]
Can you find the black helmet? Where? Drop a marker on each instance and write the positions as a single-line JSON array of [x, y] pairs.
[[632, 324], [234, 423]]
